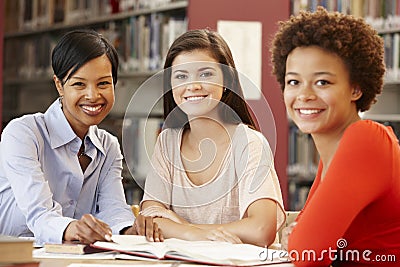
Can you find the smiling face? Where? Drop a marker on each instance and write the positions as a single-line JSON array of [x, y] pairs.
[[197, 82], [318, 94], [88, 95]]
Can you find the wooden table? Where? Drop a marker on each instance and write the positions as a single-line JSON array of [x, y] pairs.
[[66, 262]]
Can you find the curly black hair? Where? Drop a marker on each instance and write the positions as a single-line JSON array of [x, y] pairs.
[[351, 38]]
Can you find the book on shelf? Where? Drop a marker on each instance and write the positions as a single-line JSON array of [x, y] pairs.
[[70, 248], [11, 20], [206, 252], [32, 14], [140, 136], [26, 14], [298, 195], [391, 56], [39, 13], [142, 4], [303, 164], [303, 156], [80, 10], [141, 43], [381, 14], [15, 250]]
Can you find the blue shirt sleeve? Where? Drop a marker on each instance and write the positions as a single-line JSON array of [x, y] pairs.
[[19, 159], [42, 187], [111, 203]]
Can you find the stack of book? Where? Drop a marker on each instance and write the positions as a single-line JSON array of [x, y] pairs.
[[16, 252]]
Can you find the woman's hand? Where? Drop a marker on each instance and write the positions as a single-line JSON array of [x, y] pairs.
[[285, 235], [144, 225], [87, 230], [157, 211]]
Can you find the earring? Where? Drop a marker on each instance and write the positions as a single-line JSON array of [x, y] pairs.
[[60, 101], [225, 90], [357, 92]]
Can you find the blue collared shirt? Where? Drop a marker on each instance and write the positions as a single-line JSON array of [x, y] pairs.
[[42, 186]]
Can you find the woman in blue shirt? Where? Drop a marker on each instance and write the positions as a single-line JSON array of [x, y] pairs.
[[60, 175]]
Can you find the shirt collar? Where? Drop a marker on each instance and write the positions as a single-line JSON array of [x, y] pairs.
[[60, 131], [93, 136]]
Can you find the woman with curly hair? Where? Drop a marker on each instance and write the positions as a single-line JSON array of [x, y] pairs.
[[330, 67]]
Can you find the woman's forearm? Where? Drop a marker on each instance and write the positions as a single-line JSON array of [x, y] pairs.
[[173, 229], [249, 230]]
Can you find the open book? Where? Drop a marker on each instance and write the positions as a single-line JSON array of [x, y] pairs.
[[207, 252]]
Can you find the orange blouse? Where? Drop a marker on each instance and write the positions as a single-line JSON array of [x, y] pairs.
[[352, 217]]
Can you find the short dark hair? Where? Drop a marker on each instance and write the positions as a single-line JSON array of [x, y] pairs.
[[215, 45], [352, 39], [77, 47]]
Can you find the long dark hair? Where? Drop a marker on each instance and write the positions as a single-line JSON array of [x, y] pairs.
[[234, 109]]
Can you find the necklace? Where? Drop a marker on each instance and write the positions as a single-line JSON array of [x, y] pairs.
[[84, 160], [81, 154], [81, 151]]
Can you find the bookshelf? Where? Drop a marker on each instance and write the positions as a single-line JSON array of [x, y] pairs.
[[302, 166], [200, 14], [384, 16], [141, 31]]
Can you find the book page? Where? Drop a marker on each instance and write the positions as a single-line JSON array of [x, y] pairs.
[[217, 250], [223, 253], [135, 244], [197, 251]]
